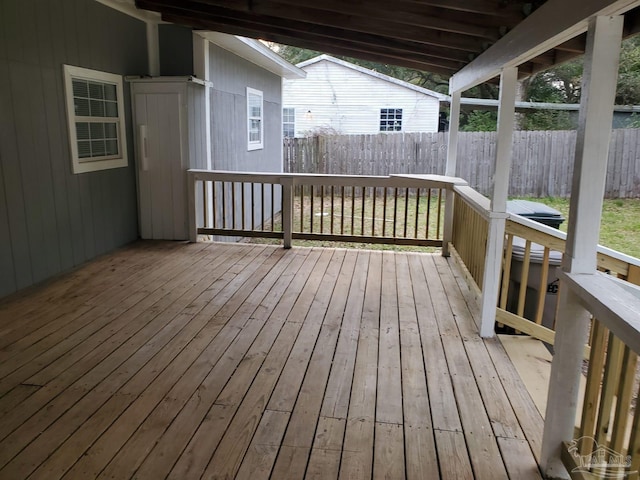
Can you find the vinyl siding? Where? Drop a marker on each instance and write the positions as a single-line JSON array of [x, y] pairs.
[[50, 219], [230, 75], [337, 98]]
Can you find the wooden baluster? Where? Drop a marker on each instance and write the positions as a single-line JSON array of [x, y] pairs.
[[322, 209], [364, 196], [233, 205], [301, 208], [395, 211], [253, 206], [624, 395], [243, 209], [384, 213], [524, 278], [353, 207], [542, 293], [439, 217], [273, 201], [332, 207], [214, 207], [262, 206], [415, 233], [609, 387], [506, 271], [592, 390], [311, 208], [373, 212], [224, 205], [342, 210], [428, 222], [406, 211]]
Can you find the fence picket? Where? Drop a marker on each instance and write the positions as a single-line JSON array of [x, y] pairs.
[[542, 161]]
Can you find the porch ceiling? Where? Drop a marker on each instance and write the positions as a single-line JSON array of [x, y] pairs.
[[433, 35]]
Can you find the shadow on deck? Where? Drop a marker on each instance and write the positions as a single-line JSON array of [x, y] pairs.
[[208, 360]]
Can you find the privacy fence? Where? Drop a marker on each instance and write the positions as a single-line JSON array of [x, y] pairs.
[[542, 161]]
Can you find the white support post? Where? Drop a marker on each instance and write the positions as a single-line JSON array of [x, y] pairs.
[[592, 146], [191, 205], [495, 239], [287, 210], [452, 160]]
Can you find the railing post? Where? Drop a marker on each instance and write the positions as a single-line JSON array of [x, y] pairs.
[[572, 330], [191, 202], [491, 275], [447, 232], [287, 210]]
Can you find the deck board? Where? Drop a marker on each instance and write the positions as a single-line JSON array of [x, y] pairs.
[[173, 360]]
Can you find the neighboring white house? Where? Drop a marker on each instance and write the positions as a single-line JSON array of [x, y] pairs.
[[344, 98]]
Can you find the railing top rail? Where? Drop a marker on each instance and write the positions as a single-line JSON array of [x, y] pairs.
[[415, 181], [617, 306], [560, 235]]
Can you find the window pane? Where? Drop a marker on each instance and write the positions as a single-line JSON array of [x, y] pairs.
[[97, 148], [110, 92], [82, 131], [111, 147], [254, 130], [84, 149], [254, 100], [110, 130], [254, 112], [97, 108], [97, 131], [95, 90], [80, 88], [82, 107], [111, 109]]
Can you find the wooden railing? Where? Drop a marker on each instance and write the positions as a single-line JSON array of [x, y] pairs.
[[606, 443], [401, 210]]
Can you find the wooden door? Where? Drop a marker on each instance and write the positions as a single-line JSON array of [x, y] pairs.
[[161, 162]]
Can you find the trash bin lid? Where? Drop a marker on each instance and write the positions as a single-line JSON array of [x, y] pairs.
[[527, 208], [537, 252]]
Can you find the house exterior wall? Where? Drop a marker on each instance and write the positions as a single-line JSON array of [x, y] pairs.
[[51, 219], [230, 76], [175, 44], [348, 102]]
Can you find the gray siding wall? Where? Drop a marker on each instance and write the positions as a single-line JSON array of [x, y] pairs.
[[231, 75], [50, 219]]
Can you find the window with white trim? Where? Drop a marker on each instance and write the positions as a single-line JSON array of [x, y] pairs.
[[95, 114], [255, 120], [288, 122], [390, 119]]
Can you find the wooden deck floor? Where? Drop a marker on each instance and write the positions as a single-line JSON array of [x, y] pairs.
[[187, 361]]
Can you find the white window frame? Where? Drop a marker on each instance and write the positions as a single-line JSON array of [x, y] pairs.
[[255, 144], [92, 164], [386, 112], [292, 124]]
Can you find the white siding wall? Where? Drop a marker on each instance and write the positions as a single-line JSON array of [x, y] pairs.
[[349, 102]]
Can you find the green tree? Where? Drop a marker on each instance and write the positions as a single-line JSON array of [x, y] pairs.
[[479, 121]]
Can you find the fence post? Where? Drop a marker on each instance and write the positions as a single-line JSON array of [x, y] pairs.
[[287, 210], [191, 205]]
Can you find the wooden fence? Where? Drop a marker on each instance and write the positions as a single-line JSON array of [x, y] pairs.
[[542, 161]]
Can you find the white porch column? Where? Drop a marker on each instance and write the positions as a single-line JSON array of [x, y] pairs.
[[452, 161], [153, 48], [592, 146], [495, 238]]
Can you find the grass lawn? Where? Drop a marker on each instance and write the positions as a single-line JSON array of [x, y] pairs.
[[620, 227]]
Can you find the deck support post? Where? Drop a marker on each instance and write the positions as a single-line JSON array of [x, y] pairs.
[[497, 217], [592, 147], [452, 159], [191, 205], [287, 210]]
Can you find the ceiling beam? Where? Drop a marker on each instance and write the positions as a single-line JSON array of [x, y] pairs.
[[418, 63], [411, 14], [342, 26], [554, 22]]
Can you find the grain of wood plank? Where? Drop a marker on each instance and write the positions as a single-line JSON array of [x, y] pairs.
[[164, 434], [172, 396], [453, 456], [338, 390], [389, 396], [519, 459], [323, 464], [87, 404], [291, 463], [261, 455], [286, 391], [389, 459], [427, 295]]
